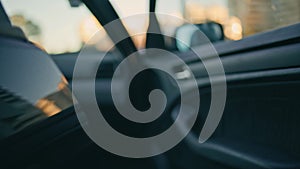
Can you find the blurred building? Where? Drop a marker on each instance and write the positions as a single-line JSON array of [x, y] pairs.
[[261, 15], [31, 29], [196, 11]]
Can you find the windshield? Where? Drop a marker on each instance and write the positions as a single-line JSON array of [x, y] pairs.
[[52, 24], [67, 29], [239, 18]]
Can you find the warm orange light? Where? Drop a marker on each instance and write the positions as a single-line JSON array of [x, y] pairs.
[[88, 27], [233, 29], [217, 13], [57, 101], [48, 107], [137, 26], [92, 33], [195, 12]]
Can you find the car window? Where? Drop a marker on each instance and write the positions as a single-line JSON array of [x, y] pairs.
[[239, 18], [52, 24], [67, 29]]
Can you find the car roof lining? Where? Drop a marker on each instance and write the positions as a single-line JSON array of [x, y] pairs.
[[4, 20]]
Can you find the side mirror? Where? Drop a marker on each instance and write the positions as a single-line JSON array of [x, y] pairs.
[[192, 35]]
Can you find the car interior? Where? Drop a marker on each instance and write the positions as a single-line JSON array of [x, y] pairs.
[[259, 127]]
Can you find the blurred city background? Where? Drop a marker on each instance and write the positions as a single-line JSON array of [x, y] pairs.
[[59, 28]]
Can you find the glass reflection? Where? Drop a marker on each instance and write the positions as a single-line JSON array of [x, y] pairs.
[[57, 101], [17, 113]]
